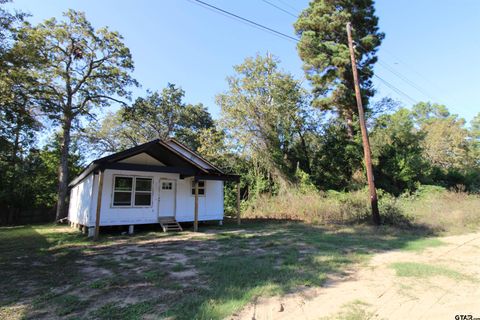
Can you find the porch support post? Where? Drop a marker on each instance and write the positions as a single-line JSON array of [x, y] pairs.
[[195, 218], [238, 203], [99, 205]]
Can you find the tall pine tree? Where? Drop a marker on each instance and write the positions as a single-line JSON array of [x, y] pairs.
[[323, 48]]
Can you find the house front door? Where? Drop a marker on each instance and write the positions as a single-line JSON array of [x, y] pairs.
[[166, 201]]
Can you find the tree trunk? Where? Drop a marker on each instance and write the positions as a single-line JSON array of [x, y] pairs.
[[16, 147], [305, 152], [63, 168], [348, 114]]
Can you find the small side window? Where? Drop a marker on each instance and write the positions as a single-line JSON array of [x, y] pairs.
[[167, 186], [201, 188]]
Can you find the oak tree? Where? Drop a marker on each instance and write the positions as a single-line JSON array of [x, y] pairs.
[[85, 69]]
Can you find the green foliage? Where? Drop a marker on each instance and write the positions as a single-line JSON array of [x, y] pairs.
[[45, 164], [82, 69], [85, 68], [336, 158], [18, 121], [262, 112], [397, 148], [33, 183], [304, 182], [164, 114], [111, 134], [425, 145], [424, 191], [158, 115], [323, 48], [445, 144]]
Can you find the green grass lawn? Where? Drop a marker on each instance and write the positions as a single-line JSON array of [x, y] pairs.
[[424, 270], [55, 272]]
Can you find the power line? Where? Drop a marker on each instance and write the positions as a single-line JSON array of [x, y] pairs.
[[395, 72], [283, 36], [391, 86], [280, 8], [400, 76], [406, 80], [288, 5], [398, 91], [413, 70], [380, 61], [253, 23]]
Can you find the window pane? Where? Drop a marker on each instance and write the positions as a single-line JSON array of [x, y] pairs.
[[201, 184], [143, 184], [167, 186], [122, 198], [142, 199], [123, 183], [201, 188]]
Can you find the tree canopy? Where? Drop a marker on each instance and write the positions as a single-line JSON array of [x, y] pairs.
[[161, 115], [264, 111], [82, 68], [323, 48]]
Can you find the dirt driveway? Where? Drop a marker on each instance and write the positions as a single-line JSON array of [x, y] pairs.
[[436, 283]]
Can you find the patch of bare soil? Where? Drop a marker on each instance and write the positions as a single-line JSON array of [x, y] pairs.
[[381, 294], [125, 273]]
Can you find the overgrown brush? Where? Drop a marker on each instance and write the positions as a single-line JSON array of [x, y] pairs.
[[442, 210], [431, 207], [311, 207]]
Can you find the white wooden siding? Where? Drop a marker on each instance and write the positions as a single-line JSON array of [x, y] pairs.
[[80, 198], [210, 206]]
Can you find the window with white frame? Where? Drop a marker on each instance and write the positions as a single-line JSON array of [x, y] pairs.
[[132, 191], [201, 188]]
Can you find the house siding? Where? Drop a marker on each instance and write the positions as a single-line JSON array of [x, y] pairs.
[[80, 198], [210, 206]]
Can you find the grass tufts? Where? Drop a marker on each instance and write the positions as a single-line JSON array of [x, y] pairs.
[[423, 270]]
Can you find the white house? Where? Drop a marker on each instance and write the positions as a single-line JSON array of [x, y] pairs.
[[161, 181]]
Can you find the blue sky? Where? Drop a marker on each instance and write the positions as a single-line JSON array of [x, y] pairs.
[[433, 44]]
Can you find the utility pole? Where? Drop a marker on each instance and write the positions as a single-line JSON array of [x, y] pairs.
[[366, 144]]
